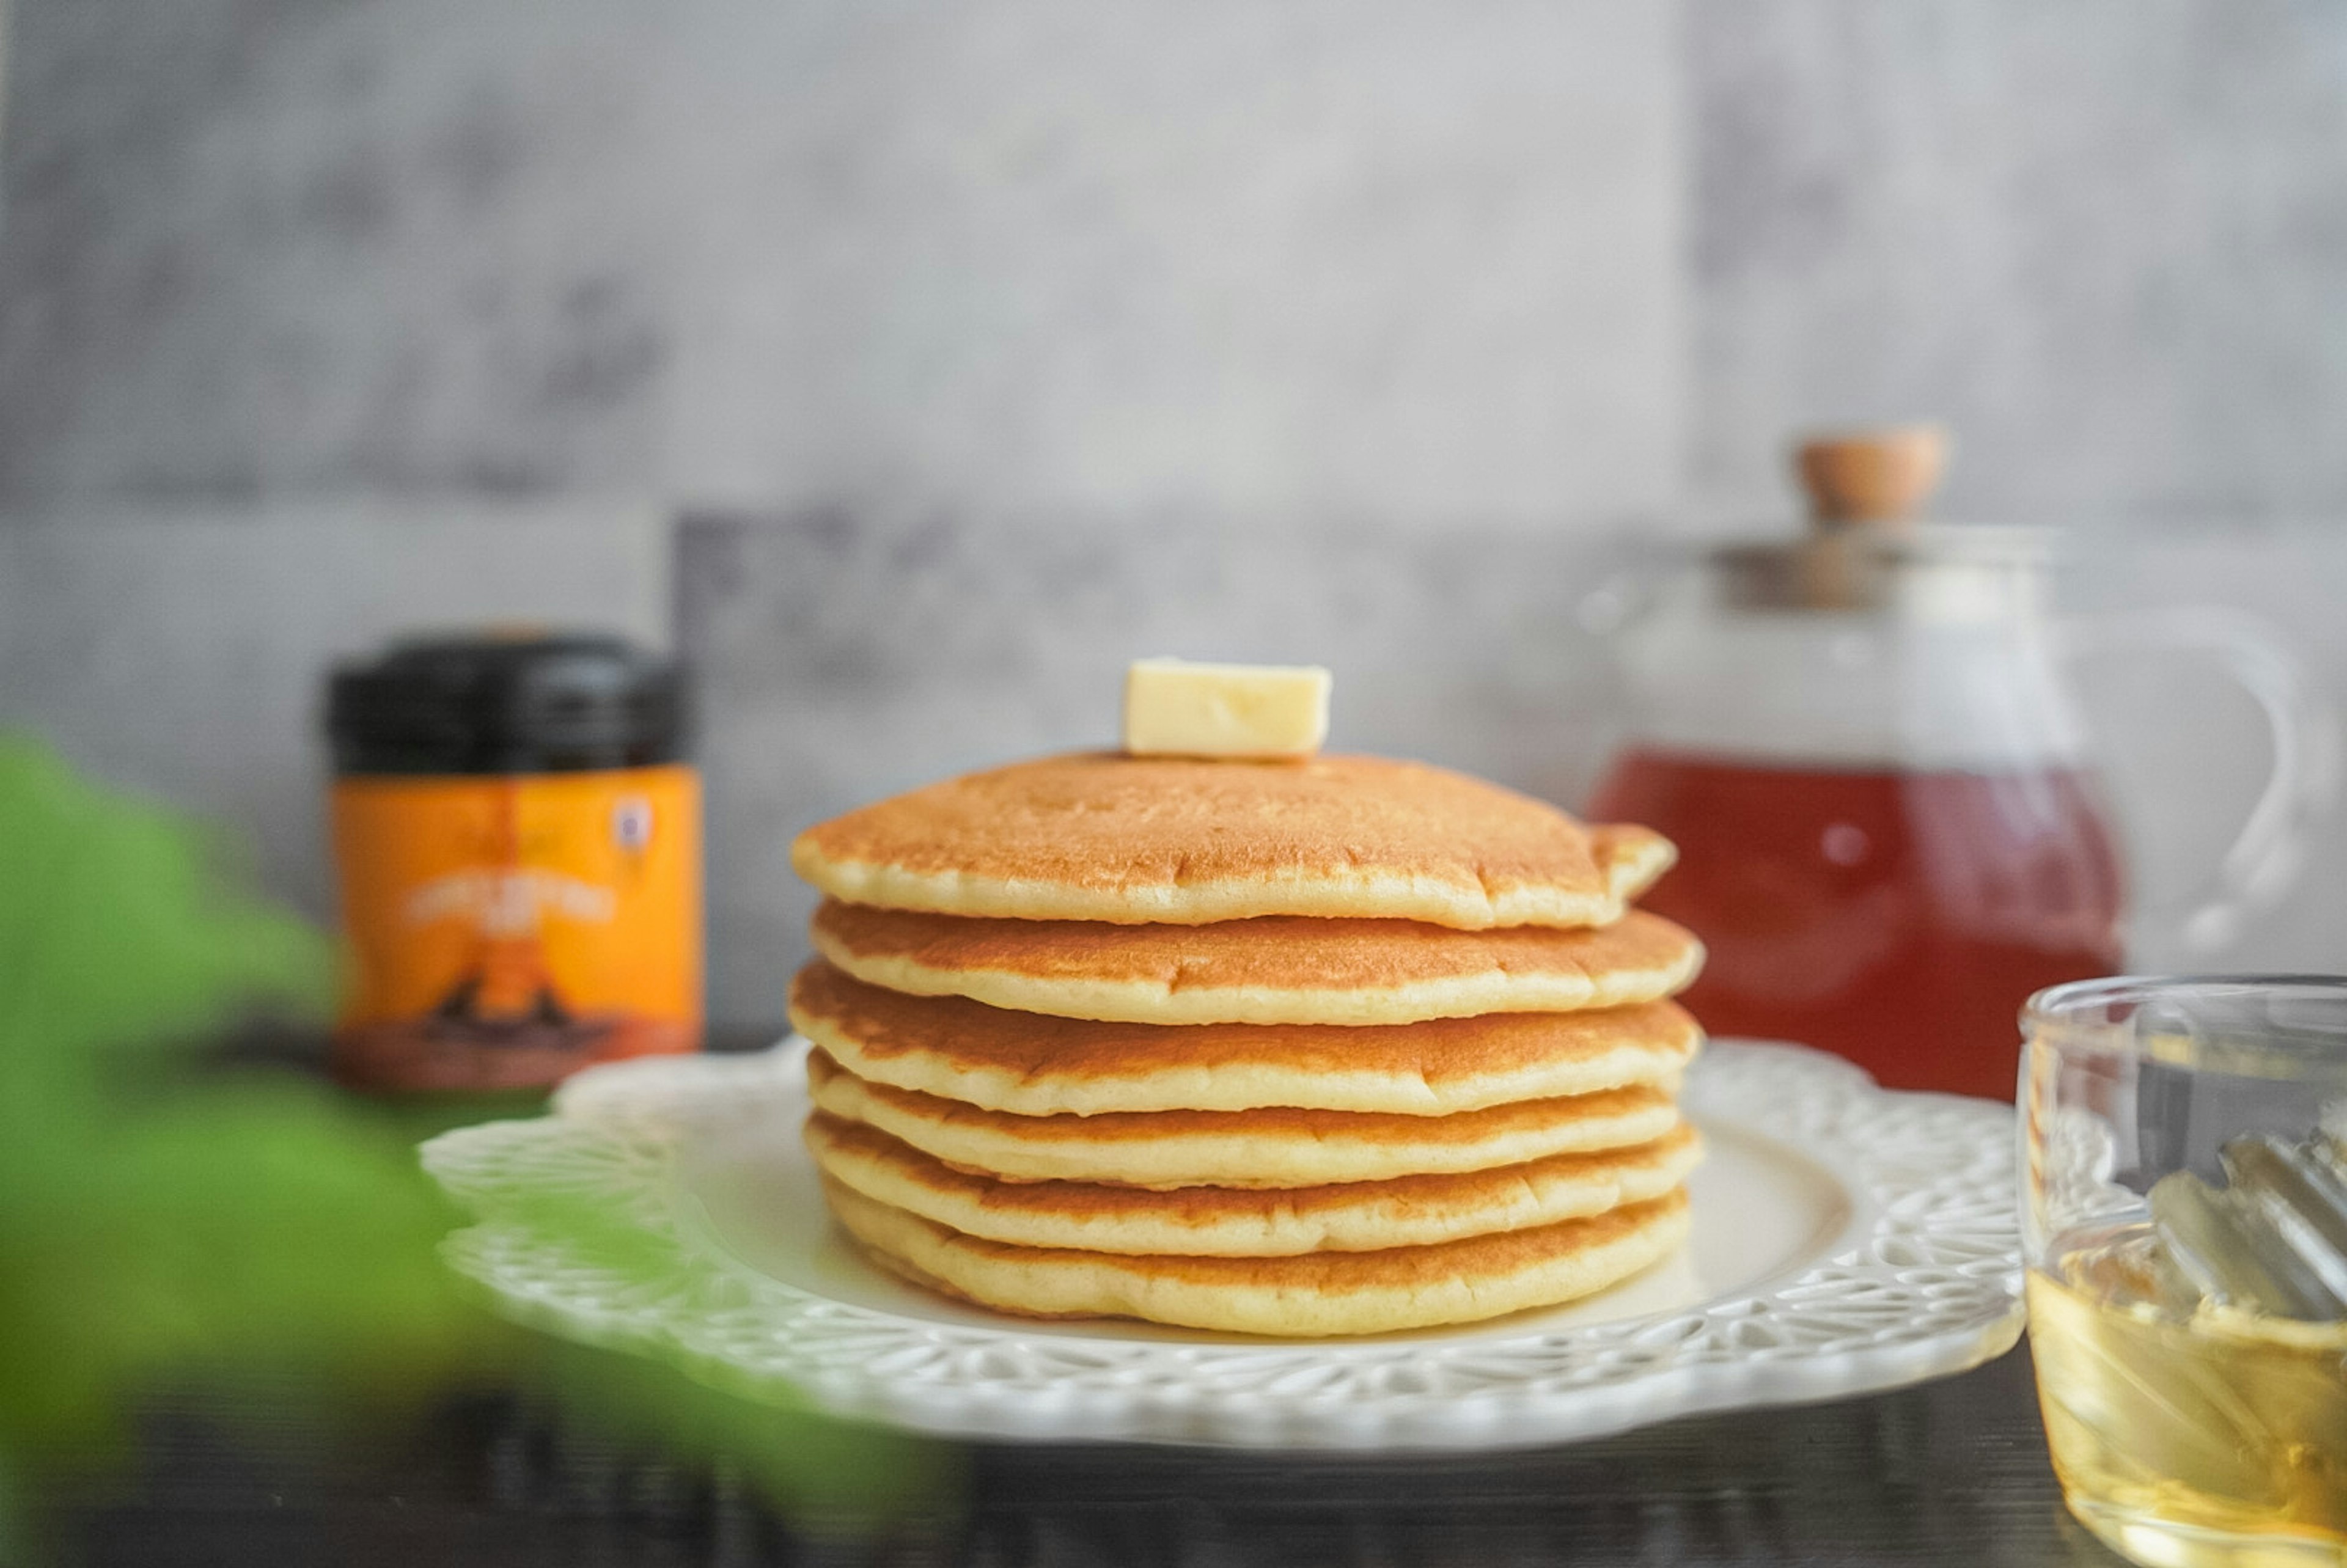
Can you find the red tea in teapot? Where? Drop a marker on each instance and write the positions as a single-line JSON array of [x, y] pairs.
[[1897, 918]]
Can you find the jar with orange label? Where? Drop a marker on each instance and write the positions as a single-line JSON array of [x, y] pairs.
[[518, 835]]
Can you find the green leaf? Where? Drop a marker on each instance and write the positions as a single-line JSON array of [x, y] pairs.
[[162, 1223]]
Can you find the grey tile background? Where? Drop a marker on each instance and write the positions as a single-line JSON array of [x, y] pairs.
[[1031, 335], [1367, 256], [1496, 258], [2107, 239]]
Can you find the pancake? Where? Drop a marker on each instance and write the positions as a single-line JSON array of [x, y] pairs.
[[1274, 1147], [1033, 1065], [1271, 969], [1185, 841], [1319, 1293], [1238, 1222]]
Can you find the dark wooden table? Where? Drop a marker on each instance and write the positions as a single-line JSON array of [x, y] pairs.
[[1950, 1472]]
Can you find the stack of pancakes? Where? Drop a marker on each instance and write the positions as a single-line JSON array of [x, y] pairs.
[[1302, 1048]]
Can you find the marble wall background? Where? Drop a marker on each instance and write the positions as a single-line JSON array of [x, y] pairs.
[[2107, 239], [1526, 259], [980, 347], [1308, 257]]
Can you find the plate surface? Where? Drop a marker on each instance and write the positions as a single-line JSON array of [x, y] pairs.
[[1845, 1239]]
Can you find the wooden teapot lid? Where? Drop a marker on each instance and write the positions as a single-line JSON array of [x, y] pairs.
[[1877, 476]]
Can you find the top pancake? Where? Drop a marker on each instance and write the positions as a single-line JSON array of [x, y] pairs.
[[1184, 841]]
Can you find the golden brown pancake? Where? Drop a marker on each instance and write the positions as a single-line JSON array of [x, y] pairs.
[[1034, 1065], [1183, 840], [1271, 969], [1319, 1293], [1273, 1147], [1240, 1222]]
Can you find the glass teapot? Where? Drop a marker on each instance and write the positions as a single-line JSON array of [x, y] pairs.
[[1890, 825]]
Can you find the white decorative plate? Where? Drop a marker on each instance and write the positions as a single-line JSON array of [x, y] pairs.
[[1845, 1239]]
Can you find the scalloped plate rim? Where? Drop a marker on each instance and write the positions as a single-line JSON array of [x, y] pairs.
[[1173, 1397]]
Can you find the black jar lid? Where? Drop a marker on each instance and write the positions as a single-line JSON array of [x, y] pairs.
[[532, 703]]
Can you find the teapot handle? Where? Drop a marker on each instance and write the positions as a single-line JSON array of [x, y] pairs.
[[2266, 856]]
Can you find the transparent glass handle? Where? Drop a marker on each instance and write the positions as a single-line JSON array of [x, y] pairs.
[[2266, 856]]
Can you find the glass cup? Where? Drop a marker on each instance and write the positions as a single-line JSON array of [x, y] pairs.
[[2184, 1224]]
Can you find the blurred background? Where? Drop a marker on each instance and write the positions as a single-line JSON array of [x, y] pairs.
[[909, 368]]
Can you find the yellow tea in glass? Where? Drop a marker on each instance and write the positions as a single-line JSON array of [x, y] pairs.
[[2185, 1221]]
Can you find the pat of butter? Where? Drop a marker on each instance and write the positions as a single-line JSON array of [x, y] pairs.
[[1174, 708]]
